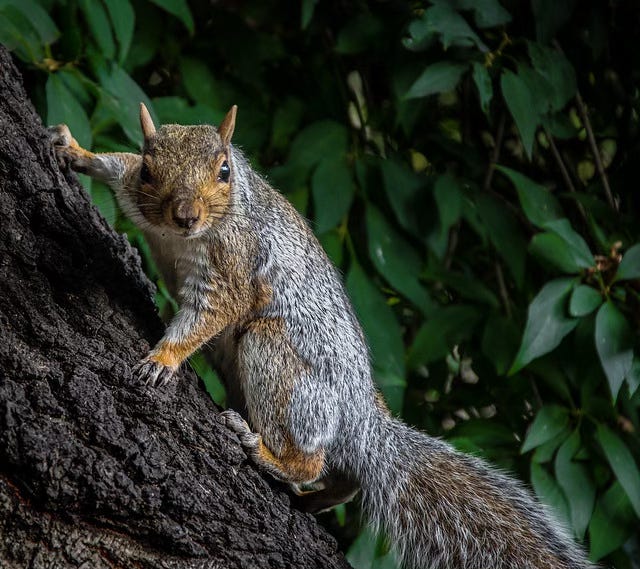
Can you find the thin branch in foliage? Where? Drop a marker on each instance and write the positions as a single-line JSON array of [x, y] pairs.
[[495, 155], [582, 109], [502, 287], [584, 114], [536, 392], [563, 171], [451, 246]]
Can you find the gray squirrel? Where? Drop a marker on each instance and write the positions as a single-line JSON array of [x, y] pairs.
[[252, 279]]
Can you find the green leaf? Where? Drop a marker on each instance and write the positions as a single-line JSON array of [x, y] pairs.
[[180, 9], [500, 341], [209, 377], [123, 99], [622, 464], [448, 196], [103, 199], [444, 328], [552, 249], [521, 103], [545, 451], [556, 69], [549, 422], [369, 551], [403, 188], [98, 21], [483, 82], [633, 377], [584, 300], [333, 189], [505, 234], [62, 107], [562, 247], [200, 83], [487, 13], [396, 260], [466, 285], [38, 18], [439, 77], [306, 12], [333, 243], [319, 140], [547, 322], [123, 19], [539, 204], [18, 33], [452, 28], [286, 122], [629, 267], [578, 487], [614, 342], [581, 256], [177, 110], [380, 325], [549, 492], [612, 524]]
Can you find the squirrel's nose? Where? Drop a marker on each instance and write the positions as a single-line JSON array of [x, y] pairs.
[[185, 215]]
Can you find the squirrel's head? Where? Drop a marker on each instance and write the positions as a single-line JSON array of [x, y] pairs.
[[186, 174]]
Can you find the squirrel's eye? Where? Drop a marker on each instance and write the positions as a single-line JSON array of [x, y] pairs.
[[224, 172], [145, 175]]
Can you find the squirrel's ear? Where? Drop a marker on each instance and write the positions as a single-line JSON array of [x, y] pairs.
[[146, 122], [225, 130]]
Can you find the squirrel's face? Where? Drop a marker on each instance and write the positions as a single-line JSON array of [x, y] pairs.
[[186, 175]]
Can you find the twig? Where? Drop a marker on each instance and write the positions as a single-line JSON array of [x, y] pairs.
[[564, 172], [451, 246], [582, 109], [536, 392], [495, 155], [504, 295]]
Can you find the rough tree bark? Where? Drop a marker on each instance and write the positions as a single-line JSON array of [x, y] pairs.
[[95, 470]]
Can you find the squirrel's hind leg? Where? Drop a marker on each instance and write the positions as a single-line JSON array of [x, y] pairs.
[[291, 465]]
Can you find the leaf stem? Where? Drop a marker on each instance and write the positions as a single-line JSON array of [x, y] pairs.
[[495, 155], [584, 114], [502, 287], [564, 172]]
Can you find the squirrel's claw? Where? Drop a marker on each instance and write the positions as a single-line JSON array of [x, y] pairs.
[[153, 373], [234, 421], [60, 135]]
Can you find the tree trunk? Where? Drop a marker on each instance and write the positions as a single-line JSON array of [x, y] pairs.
[[97, 471]]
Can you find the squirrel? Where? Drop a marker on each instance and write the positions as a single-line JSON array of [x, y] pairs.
[[252, 279]]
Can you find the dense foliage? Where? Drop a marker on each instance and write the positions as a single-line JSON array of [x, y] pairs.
[[470, 167]]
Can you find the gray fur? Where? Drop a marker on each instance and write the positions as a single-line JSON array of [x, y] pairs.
[[441, 509]]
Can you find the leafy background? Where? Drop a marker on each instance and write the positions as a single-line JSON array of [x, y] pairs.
[[471, 167]]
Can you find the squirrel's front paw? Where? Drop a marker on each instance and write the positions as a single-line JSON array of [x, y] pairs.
[[68, 151], [60, 135], [151, 372], [234, 421]]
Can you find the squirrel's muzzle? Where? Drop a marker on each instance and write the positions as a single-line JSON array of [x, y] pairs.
[[186, 213]]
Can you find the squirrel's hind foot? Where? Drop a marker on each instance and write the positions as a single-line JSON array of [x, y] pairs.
[[249, 440]]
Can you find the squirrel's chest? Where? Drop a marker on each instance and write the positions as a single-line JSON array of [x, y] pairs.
[[179, 261]]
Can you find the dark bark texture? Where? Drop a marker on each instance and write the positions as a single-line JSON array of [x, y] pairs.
[[97, 471]]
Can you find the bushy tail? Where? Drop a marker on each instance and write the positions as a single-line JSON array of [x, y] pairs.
[[443, 509]]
